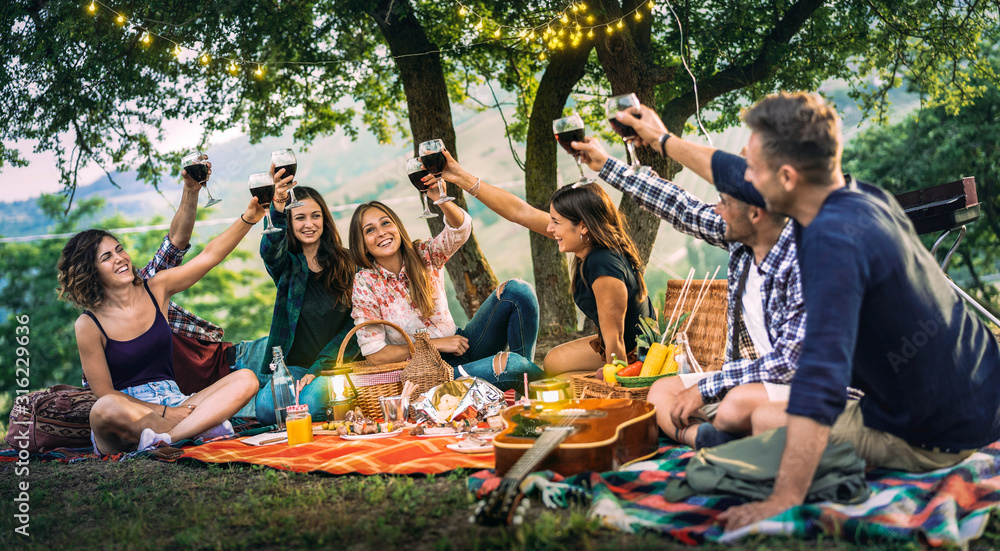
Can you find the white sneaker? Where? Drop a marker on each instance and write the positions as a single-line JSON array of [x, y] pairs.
[[149, 440], [223, 430]]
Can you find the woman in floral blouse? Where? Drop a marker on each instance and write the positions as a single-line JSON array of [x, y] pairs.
[[402, 281]]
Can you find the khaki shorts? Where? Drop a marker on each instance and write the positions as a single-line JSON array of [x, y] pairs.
[[881, 449], [775, 392]]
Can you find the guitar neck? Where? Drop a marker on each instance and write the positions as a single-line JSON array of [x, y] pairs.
[[548, 441]]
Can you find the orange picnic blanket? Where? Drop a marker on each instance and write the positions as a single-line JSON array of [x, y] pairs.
[[402, 454]]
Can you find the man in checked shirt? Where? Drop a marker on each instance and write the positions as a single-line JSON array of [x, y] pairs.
[[766, 312]]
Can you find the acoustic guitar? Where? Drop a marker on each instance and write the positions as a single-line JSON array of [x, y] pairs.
[[589, 434]]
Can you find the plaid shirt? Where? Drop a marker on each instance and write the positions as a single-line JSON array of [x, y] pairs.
[[181, 321], [784, 305], [290, 272]]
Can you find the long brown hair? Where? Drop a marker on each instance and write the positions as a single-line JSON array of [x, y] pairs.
[[79, 283], [421, 292], [606, 227], [335, 261]]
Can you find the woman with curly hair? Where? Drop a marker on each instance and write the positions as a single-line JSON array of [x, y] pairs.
[[126, 347], [607, 281], [402, 281], [314, 274]]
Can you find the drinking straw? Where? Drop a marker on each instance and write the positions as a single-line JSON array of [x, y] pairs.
[[680, 297], [525, 385], [701, 296]]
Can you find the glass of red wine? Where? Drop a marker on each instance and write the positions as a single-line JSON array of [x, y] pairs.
[[625, 102], [432, 156], [568, 130], [194, 165], [262, 187], [285, 159], [416, 171]]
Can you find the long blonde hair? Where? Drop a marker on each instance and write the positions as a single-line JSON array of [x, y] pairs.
[[421, 291]]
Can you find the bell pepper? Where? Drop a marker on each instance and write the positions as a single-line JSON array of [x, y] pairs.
[[632, 370], [610, 369]]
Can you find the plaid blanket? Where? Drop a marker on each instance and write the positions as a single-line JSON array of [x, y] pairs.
[[948, 506]]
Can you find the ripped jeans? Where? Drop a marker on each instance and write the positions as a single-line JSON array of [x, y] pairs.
[[510, 321]]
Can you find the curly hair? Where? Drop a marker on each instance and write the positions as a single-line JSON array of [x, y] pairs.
[[79, 283]]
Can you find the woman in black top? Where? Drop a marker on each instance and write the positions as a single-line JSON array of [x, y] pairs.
[[607, 273]]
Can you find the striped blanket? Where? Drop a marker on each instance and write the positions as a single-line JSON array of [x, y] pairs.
[[949, 506]]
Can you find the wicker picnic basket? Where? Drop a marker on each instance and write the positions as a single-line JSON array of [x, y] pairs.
[[706, 336], [426, 369], [375, 381]]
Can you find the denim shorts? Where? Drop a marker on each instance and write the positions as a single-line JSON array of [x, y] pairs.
[[164, 393]]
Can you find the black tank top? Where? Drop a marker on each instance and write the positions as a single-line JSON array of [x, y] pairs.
[[144, 359]]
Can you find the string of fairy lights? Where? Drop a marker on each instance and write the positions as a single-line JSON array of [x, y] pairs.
[[567, 28]]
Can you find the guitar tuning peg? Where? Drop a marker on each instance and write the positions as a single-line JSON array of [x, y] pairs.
[[518, 520], [526, 503], [479, 507], [472, 519]]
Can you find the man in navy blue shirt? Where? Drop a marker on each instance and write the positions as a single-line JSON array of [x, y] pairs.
[[882, 317]]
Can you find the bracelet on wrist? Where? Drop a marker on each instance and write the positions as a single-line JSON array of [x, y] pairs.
[[474, 190], [247, 221], [663, 143], [164, 414]]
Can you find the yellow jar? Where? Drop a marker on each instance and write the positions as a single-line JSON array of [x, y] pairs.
[[299, 424]]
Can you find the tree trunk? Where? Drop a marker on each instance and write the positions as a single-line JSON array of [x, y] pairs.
[[552, 280], [430, 118]]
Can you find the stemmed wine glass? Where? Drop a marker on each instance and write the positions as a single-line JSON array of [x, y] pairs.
[[568, 130], [416, 171], [624, 103], [194, 165], [262, 187], [285, 159], [432, 156]]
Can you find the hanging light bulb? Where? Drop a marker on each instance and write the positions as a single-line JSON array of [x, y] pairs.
[[145, 38], [205, 58], [609, 29], [496, 34], [232, 67], [177, 50], [541, 56], [651, 5], [121, 19], [590, 34], [259, 73], [638, 16], [590, 19], [621, 24], [461, 11], [565, 19], [583, 7], [92, 8]]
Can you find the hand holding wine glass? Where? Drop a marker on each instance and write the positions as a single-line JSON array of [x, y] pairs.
[[282, 188], [432, 157], [591, 153], [646, 124], [568, 130], [254, 211], [285, 159], [625, 102], [261, 186], [196, 167]]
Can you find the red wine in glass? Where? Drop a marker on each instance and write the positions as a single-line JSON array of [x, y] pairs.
[[625, 102], [432, 156], [568, 130], [285, 159], [262, 187], [194, 165], [415, 171]]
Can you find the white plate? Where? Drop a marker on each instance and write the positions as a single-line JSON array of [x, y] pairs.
[[481, 449], [441, 435], [375, 436]]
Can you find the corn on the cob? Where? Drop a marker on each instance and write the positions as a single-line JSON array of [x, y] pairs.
[[654, 359], [670, 365]]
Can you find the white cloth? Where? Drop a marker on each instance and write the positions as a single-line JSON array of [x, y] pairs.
[[775, 392], [753, 311]]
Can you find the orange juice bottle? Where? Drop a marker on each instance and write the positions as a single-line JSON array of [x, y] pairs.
[[299, 424]]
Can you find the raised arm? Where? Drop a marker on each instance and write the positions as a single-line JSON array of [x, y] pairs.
[[183, 221], [504, 203], [168, 282], [650, 128]]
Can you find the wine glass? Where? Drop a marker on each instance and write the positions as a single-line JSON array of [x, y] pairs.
[[285, 159], [416, 171], [432, 156], [568, 130], [194, 165], [262, 187], [624, 103]]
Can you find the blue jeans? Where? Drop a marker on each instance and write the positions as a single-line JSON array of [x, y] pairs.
[[252, 355], [510, 321], [315, 395]]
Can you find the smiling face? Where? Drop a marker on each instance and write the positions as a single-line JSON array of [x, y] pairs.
[[381, 236], [766, 181], [567, 234], [736, 215], [307, 222], [114, 266]]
